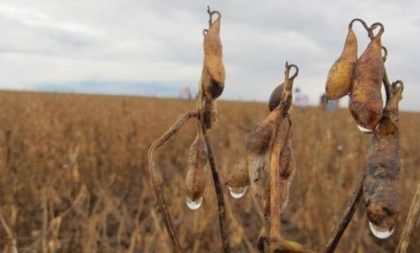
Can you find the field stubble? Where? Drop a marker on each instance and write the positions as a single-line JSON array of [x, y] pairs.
[[73, 175]]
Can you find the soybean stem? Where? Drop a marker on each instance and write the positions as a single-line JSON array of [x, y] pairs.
[[387, 86], [157, 181], [219, 195], [410, 224], [347, 216]]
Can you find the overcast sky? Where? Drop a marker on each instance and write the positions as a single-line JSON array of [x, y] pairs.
[[155, 46]]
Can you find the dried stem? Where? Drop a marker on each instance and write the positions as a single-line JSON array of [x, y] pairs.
[[220, 199], [347, 216], [44, 220], [275, 194], [6, 228], [157, 180], [387, 85], [410, 224]]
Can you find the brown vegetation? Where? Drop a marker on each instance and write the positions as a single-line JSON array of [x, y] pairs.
[[73, 176]]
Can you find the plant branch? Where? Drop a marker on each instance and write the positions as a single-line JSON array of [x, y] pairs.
[[220, 199], [157, 180], [387, 86], [410, 224], [347, 216]]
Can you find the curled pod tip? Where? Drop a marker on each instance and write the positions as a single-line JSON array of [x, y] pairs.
[[340, 75], [211, 14], [361, 21], [277, 94], [372, 29]]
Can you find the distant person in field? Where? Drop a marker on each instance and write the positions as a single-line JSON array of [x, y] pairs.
[[327, 104], [323, 101], [332, 106], [301, 100], [185, 93]]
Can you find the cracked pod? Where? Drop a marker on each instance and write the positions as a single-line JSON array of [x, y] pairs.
[[197, 161], [213, 77], [340, 76], [380, 190], [277, 93], [257, 145], [365, 97]]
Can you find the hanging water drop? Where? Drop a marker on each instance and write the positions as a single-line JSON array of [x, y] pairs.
[[364, 130], [381, 233], [194, 204], [237, 192]]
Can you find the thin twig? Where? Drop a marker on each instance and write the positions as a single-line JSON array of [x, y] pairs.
[[44, 220], [410, 224], [387, 86], [157, 180], [6, 227], [220, 198], [347, 216]]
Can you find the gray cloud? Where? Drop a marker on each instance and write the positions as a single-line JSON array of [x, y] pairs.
[[48, 41]]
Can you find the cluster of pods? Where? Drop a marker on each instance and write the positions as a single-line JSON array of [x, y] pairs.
[[212, 84], [361, 78], [269, 165]]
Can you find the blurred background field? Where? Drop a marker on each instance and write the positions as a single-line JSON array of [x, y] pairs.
[[73, 175]]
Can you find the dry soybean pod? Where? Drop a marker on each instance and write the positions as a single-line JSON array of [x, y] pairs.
[[277, 93], [287, 163], [380, 189], [340, 76], [259, 140], [365, 97], [213, 71], [238, 180], [197, 161], [257, 146]]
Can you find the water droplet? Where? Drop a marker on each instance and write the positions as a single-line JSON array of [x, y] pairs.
[[364, 130], [237, 192], [194, 204], [381, 233]]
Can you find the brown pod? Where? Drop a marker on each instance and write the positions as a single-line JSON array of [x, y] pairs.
[[197, 161], [238, 180], [287, 163], [258, 140], [340, 76], [257, 145], [365, 97], [238, 176], [276, 95], [380, 190], [214, 69]]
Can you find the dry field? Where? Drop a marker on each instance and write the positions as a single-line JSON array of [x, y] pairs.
[[73, 175]]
